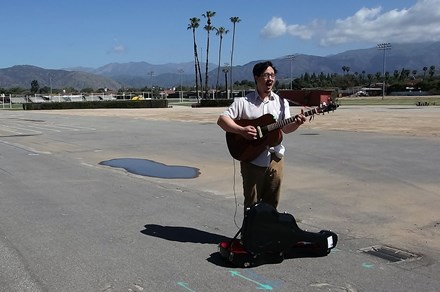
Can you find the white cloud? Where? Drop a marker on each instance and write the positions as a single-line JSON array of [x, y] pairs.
[[277, 27], [418, 23], [119, 49], [274, 28]]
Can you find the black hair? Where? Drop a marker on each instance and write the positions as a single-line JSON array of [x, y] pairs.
[[259, 68]]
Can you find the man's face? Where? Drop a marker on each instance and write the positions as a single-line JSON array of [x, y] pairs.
[[266, 80]]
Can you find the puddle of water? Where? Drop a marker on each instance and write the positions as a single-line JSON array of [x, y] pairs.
[[151, 168]]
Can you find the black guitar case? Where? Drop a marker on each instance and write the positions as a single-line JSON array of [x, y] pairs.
[[268, 236]]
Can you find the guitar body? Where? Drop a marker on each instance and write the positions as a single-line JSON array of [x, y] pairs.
[[246, 150], [269, 133]]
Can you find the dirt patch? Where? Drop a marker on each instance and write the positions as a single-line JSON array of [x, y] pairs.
[[395, 120]]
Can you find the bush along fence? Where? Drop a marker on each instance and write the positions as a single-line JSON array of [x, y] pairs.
[[153, 103]]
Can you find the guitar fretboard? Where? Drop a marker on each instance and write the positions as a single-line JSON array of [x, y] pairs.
[[282, 123]]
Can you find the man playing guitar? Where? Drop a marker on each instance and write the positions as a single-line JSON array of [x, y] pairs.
[[262, 173]]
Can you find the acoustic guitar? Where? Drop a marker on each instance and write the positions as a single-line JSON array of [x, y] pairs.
[[269, 133]]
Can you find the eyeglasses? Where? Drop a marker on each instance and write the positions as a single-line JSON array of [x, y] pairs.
[[268, 75]]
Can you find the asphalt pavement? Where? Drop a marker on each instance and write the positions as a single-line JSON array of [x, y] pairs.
[[70, 223]]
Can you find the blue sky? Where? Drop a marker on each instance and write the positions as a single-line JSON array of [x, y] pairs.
[[92, 33]]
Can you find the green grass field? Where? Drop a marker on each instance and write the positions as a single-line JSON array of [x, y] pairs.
[[391, 100], [14, 106]]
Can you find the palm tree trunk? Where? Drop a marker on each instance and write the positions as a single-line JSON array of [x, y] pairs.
[[206, 68], [219, 60], [195, 64], [226, 83], [200, 76], [232, 56], [208, 27], [234, 20]]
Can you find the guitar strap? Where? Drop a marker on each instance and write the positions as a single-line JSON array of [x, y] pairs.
[[283, 107]]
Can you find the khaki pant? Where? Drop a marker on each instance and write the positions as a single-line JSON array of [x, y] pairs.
[[262, 183]]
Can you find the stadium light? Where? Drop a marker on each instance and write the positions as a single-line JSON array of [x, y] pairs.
[[383, 47], [291, 58]]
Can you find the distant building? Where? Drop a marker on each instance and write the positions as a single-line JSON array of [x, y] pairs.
[[309, 97]]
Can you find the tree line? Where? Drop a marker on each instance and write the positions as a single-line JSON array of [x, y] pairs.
[[400, 80], [421, 80]]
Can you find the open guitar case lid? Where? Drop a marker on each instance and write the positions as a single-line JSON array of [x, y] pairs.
[[268, 236]]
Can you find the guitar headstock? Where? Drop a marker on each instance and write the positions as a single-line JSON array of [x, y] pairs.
[[327, 106]]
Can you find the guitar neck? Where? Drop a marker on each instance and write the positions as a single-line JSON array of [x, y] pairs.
[[282, 123]]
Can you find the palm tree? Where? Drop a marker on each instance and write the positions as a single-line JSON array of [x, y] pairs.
[[370, 79], [343, 69], [431, 71], [208, 27], [220, 32], [193, 25], [234, 20], [34, 86], [414, 73], [424, 71], [378, 74]]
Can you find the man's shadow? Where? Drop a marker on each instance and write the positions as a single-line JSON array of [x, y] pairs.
[[188, 234], [192, 235], [182, 234]]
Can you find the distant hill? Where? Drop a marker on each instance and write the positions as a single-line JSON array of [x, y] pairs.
[[407, 56], [140, 74], [23, 75]]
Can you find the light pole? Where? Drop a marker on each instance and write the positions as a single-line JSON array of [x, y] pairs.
[[50, 84], [151, 73], [180, 71], [291, 58], [226, 70], [383, 47]]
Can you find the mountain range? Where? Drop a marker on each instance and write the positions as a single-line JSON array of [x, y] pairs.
[[413, 56]]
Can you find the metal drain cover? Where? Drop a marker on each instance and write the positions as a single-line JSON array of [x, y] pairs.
[[390, 254]]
